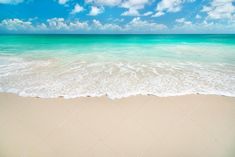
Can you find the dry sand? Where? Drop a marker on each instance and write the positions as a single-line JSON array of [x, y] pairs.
[[140, 126]]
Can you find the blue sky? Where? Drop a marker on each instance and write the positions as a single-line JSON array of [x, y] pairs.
[[117, 16]]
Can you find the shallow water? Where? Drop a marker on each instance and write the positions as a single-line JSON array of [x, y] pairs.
[[117, 65]]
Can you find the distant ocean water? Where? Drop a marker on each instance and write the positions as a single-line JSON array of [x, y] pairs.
[[117, 65]]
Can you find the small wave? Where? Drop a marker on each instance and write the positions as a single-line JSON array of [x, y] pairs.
[[50, 78]]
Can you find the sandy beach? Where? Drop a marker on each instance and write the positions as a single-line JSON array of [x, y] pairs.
[[139, 126]]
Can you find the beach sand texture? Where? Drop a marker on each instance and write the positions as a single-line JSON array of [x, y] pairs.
[[139, 126]]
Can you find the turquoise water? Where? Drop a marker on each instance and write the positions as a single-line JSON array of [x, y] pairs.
[[117, 65]]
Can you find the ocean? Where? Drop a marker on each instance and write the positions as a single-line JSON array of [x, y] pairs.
[[118, 66]]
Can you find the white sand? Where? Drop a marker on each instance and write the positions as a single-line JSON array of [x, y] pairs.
[[141, 126]]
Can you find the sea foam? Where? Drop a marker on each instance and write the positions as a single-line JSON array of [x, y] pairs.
[[49, 78]]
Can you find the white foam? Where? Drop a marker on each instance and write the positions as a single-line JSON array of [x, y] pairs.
[[49, 78]]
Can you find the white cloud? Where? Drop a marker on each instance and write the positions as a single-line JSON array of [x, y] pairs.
[[198, 16], [57, 23], [220, 9], [61, 24], [77, 25], [77, 8], [95, 11], [16, 24], [183, 21], [51, 25], [136, 25], [62, 2], [148, 13], [105, 27], [133, 6], [10, 1], [131, 12], [170, 6], [205, 27], [118, 20], [157, 14], [97, 23], [143, 26], [41, 27], [105, 2]]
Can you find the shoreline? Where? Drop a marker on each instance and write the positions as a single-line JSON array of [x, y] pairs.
[[191, 125], [118, 98]]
